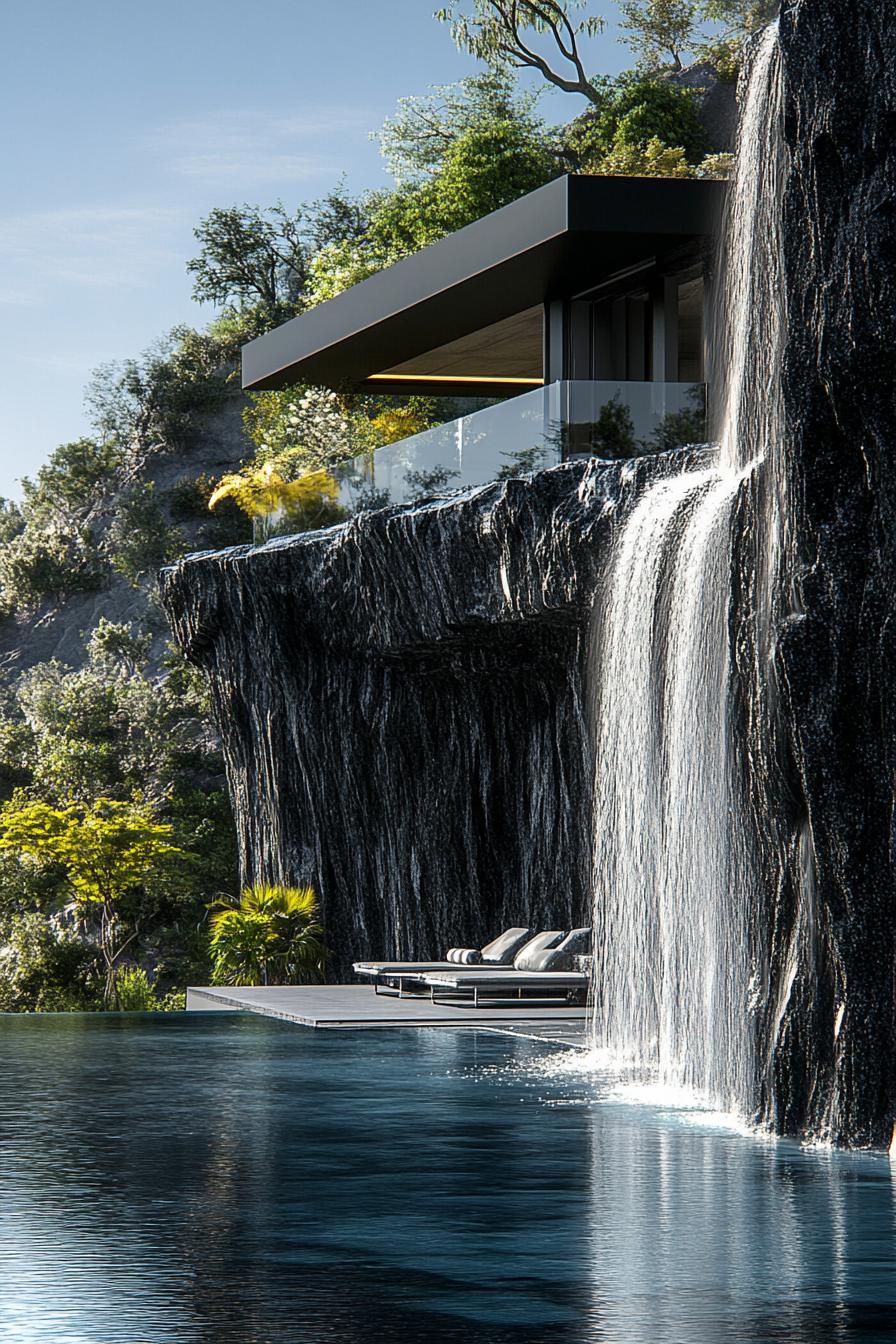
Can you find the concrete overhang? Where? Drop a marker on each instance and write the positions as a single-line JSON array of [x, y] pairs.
[[484, 287]]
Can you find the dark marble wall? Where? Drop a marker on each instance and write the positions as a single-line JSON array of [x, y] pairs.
[[401, 701], [825, 752]]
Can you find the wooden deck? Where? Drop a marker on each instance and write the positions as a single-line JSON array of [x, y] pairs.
[[356, 1006]]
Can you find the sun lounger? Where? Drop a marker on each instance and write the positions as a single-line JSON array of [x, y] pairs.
[[508, 984], [393, 974], [544, 966]]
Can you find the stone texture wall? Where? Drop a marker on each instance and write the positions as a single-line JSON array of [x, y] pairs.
[[402, 705], [833, 879]]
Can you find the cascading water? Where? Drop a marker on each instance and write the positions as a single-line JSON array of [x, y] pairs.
[[677, 968]]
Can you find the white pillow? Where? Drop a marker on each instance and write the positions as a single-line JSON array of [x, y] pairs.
[[527, 956]]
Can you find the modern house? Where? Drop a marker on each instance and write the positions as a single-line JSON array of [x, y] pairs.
[[581, 305]]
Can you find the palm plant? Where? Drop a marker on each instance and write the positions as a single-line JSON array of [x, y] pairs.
[[269, 936]]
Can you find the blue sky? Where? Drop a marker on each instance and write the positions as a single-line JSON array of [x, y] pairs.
[[124, 124]]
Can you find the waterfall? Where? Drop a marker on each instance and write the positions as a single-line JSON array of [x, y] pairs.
[[677, 971]]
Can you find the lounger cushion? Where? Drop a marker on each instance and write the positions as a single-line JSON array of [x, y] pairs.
[[560, 957], [464, 956], [535, 948], [502, 951]]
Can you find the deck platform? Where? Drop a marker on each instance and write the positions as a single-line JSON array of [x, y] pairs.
[[356, 1006]]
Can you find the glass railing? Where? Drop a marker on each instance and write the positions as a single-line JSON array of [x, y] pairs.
[[538, 429]]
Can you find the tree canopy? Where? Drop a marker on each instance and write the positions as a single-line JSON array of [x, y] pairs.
[[501, 32], [660, 31], [106, 849]]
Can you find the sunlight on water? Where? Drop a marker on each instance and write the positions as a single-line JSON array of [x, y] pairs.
[[192, 1179]]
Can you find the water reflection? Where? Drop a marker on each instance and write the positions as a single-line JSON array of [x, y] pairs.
[[234, 1180], [699, 1233]]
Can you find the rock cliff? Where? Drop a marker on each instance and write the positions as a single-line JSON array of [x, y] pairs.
[[401, 700]]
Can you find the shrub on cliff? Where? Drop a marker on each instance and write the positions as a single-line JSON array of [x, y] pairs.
[[43, 563]]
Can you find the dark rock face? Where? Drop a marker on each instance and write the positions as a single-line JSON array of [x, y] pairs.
[[717, 102], [401, 701], [828, 746], [402, 698]]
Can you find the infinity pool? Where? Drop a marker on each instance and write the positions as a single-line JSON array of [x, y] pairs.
[[240, 1181]]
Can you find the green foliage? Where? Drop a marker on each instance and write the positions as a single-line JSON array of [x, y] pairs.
[[417, 141], [256, 261], [47, 548], [660, 31], [140, 539], [41, 563], [107, 849], [485, 167], [250, 256], [109, 727], [301, 429], [632, 110], [12, 520], [45, 967], [159, 399], [651, 160], [134, 990], [75, 479], [720, 166], [505, 34], [115, 649], [175, 1001], [269, 936], [136, 993]]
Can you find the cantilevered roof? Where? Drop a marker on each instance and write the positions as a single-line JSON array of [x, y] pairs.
[[482, 289]]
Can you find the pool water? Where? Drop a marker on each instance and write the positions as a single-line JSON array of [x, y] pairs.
[[200, 1178]]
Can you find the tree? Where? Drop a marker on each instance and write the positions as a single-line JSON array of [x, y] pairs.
[[250, 257], [485, 168], [109, 729], [118, 649], [739, 19], [632, 109], [44, 967], [269, 936], [12, 520], [140, 539], [157, 400], [73, 483], [416, 141], [498, 33], [660, 30], [258, 259], [107, 851], [47, 562]]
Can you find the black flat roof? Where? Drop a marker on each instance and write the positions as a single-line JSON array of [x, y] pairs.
[[559, 241]]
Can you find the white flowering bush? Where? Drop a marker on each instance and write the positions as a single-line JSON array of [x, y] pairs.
[[338, 266], [298, 430]]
